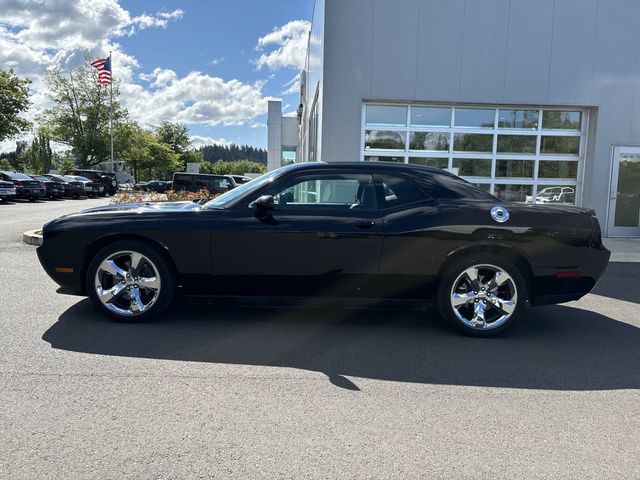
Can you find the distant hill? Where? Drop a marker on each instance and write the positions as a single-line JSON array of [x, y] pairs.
[[233, 153]]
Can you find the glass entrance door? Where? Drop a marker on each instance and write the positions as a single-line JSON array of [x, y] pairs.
[[624, 206]]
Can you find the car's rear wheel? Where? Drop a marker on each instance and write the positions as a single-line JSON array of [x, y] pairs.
[[130, 281], [482, 295]]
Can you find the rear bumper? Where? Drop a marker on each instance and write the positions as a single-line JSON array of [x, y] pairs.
[[28, 192], [552, 289]]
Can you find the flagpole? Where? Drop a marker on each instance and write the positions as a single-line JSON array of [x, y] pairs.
[[111, 112]]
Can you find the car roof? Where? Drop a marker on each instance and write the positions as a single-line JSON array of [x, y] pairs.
[[370, 167]]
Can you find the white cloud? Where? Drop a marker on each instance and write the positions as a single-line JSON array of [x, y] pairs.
[[293, 85], [217, 61], [36, 35], [158, 20], [288, 45], [196, 98], [197, 141]]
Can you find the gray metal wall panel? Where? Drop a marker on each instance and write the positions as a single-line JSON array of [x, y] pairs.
[[395, 28], [548, 52], [439, 49], [348, 76], [615, 74], [574, 36], [484, 50], [529, 51]]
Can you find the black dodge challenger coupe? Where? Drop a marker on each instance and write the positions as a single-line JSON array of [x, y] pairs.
[[367, 230]]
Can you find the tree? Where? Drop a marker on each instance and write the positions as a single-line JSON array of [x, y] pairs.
[[232, 168], [39, 156], [145, 152], [80, 114], [14, 100], [65, 166], [16, 158], [233, 153], [176, 135], [5, 165]]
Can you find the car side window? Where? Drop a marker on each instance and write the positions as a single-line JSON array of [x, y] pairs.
[[398, 191], [339, 191]]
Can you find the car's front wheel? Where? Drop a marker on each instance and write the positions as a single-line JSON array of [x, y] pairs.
[[130, 281], [482, 295]]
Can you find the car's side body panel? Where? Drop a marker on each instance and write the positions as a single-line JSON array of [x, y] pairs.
[[316, 252]]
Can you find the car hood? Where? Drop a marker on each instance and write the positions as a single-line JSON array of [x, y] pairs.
[[145, 207]]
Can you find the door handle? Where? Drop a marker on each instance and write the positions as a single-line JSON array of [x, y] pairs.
[[366, 224]]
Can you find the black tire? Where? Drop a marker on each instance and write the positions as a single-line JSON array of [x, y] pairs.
[[164, 271], [456, 269]]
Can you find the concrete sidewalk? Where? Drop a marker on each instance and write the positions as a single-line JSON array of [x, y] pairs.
[[624, 249]]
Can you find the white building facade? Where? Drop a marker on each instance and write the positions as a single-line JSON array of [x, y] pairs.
[[534, 101]]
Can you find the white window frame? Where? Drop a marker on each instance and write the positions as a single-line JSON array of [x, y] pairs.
[[536, 182]]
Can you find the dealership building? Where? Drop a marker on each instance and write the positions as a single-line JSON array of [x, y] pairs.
[[534, 101]]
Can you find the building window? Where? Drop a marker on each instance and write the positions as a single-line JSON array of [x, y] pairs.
[[521, 154]]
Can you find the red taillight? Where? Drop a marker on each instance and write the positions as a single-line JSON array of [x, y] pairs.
[[567, 274], [19, 182]]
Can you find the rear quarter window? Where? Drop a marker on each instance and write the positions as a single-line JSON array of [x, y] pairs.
[[397, 190]]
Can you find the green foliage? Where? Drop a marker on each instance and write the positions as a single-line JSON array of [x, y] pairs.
[[39, 157], [14, 100], [16, 158], [232, 168], [145, 153], [233, 153], [176, 135], [80, 114], [5, 165], [65, 166]]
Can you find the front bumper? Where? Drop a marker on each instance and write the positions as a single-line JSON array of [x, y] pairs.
[[57, 260]]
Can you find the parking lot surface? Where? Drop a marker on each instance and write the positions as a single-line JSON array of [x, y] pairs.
[[231, 392]]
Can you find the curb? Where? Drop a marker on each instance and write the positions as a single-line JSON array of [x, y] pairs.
[[32, 237]]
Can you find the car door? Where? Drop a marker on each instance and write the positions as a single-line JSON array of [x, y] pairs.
[[323, 237], [416, 239]]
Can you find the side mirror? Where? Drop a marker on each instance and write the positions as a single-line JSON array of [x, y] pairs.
[[263, 205]]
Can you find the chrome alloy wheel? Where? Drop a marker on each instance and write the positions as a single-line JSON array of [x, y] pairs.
[[127, 283], [484, 297]]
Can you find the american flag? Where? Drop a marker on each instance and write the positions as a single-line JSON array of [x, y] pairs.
[[104, 70]]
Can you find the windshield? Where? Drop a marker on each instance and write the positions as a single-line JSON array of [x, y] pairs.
[[240, 190], [79, 178], [18, 176]]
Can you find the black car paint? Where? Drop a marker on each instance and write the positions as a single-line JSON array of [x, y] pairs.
[[391, 253], [53, 189], [26, 187], [72, 188]]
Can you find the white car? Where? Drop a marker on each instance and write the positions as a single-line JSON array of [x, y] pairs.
[[7, 191], [554, 195]]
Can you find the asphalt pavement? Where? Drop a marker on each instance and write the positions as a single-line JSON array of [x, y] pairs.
[[229, 392]]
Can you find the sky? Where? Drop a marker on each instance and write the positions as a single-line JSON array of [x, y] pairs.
[[210, 64]]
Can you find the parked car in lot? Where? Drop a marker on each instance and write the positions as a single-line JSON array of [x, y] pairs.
[[240, 179], [382, 230], [159, 186], [26, 187], [108, 180], [192, 182], [72, 188], [554, 195], [53, 189], [92, 188], [7, 190]]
